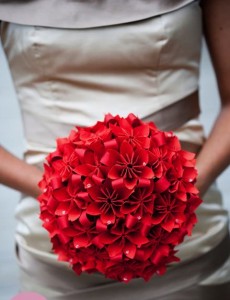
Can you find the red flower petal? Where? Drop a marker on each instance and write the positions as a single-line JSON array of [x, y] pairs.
[[147, 173], [110, 158], [62, 208], [108, 217], [101, 227], [187, 155], [63, 222], [158, 139], [142, 130], [81, 241], [162, 185], [160, 253], [74, 213], [137, 239], [173, 144], [61, 194], [157, 219], [129, 250], [189, 174], [115, 248], [126, 149], [93, 209], [130, 183], [131, 221], [115, 172], [107, 238], [84, 170], [128, 208], [168, 223]]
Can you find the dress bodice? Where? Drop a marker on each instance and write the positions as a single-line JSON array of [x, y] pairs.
[[74, 77]]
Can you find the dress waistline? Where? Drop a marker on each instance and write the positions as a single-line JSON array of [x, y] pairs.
[[177, 114]]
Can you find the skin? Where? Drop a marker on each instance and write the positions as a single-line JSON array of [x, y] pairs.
[[215, 154], [17, 174]]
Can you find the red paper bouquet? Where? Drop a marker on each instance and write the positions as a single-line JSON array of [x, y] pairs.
[[118, 197]]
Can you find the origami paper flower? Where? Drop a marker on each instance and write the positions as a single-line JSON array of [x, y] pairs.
[[118, 197]]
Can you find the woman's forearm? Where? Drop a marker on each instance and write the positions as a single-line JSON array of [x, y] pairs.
[[215, 155], [17, 174]]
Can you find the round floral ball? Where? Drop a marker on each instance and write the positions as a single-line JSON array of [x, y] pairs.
[[118, 197]]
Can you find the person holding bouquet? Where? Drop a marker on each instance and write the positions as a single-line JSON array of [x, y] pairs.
[[74, 62]]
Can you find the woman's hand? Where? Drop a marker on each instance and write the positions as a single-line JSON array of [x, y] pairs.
[[17, 174]]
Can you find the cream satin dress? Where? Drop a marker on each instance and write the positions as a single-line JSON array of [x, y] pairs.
[[68, 77]]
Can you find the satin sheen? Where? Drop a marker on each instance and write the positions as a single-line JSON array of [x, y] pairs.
[[84, 14], [73, 77]]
